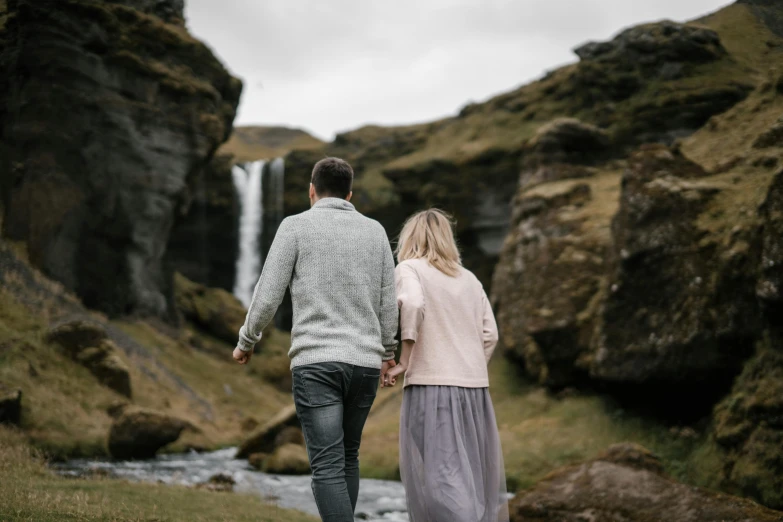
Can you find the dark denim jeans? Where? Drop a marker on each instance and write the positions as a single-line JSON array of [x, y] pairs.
[[332, 402]]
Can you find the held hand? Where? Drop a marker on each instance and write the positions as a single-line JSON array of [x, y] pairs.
[[387, 365], [391, 375], [242, 357]]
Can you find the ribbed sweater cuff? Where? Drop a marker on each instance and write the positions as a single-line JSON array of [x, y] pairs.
[[245, 346]]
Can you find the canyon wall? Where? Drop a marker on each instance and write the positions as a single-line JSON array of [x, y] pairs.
[[106, 110]]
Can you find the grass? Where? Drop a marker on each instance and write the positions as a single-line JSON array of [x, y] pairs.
[[541, 432], [64, 406], [254, 143], [30, 492]]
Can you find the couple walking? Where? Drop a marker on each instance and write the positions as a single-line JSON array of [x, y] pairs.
[[347, 298]]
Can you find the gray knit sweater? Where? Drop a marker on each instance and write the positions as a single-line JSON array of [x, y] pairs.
[[340, 268]]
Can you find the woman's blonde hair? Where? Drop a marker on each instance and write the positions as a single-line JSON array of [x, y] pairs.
[[429, 235]]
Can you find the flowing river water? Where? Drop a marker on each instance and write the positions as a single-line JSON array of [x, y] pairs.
[[378, 499]]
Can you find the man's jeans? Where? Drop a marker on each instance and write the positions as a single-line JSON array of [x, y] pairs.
[[332, 402]]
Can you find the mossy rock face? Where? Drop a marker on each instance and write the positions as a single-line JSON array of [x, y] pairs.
[[677, 312], [749, 425], [88, 344], [140, 433], [214, 310], [150, 102], [289, 459], [205, 239], [559, 232], [629, 488], [769, 288]]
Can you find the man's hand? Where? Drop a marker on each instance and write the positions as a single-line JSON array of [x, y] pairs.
[[242, 357], [387, 365]]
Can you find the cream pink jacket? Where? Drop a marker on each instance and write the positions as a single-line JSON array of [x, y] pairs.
[[451, 322]]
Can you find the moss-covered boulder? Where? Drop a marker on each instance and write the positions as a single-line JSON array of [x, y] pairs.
[[214, 310], [749, 425], [627, 484], [681, 308], [288, 459], [139, 433], [88, 344]]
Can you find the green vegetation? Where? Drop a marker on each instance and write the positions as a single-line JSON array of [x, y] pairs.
[[541, 432], [254, 143], [30, 492], [189, 375]]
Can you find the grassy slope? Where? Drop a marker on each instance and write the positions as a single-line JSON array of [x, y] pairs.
[[30, 492], [64, 407], [253, 143]]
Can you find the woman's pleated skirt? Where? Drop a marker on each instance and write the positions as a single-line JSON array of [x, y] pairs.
[[451, 462]]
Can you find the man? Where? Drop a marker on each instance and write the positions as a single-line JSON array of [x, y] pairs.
[[340, 269]]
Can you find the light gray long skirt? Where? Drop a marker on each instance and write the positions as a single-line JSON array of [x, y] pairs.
[[451, 463]]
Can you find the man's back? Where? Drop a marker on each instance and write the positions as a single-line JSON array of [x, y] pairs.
[[338, 286], [341, 274]]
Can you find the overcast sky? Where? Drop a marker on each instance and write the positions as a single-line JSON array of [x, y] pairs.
[[333, 65]]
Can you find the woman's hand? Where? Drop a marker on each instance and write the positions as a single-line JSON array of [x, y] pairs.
[[391, 375]]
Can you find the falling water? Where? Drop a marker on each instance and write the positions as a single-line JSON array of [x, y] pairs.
[[259, 186], [247, 182], [277, 178]]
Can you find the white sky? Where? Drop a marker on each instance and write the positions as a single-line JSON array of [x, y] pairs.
[[333, 65]]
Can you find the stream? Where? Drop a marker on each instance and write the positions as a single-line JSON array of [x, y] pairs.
[[378, 499]]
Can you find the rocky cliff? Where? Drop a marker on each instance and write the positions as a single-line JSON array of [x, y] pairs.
[[652, 272], [106, 110]]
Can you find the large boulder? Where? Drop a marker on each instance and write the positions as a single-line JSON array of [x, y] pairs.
[[265, 439], [749, 426], [681, 314], [214, 310], [88, 344], [139, 433], [288, 459], [626, 484], [96, 158]]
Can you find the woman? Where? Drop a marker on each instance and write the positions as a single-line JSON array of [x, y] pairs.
[[450, 459]]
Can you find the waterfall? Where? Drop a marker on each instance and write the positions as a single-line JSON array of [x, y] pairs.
[[276, 187], [259, 186], [247, 181]]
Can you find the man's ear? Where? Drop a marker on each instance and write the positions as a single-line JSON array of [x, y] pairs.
[[312, 191], [348, 197]]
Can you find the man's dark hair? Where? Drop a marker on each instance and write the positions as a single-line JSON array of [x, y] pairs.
[[332, 177]]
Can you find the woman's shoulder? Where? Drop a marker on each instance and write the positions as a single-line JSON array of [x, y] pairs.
[[471, 278], [408, 267]]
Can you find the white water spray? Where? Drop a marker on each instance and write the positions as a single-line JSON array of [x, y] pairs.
[[247, 182]]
